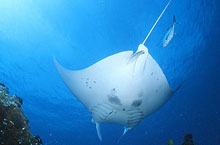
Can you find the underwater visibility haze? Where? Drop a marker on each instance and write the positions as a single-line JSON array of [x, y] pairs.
[[80, 33]]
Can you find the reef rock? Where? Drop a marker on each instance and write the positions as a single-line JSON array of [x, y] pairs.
[[188, 140], [14, 128]]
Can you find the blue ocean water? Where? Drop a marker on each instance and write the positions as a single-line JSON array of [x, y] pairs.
[[82, 32]]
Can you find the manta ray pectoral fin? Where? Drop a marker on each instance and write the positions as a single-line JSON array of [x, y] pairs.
[[98, 131], [64, 73], [180, 85]]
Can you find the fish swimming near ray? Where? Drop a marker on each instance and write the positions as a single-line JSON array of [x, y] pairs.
[[170, 33], [123, 88]]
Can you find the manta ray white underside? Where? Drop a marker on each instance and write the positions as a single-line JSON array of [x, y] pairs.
[[123, 88]]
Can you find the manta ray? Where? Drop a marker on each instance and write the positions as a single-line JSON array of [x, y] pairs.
[[123, 88]]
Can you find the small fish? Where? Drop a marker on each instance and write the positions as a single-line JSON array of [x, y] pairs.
[[170, 142], [170, 33]]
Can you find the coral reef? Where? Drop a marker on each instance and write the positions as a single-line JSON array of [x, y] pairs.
[[188, 140], [14, 128]]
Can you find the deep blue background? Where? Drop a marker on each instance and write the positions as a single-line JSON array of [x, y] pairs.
[[82, 32]]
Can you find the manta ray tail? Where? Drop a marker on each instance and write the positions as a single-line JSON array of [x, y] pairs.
[[156, 21]]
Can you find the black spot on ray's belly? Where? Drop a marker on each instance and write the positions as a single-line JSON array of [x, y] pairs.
[[88, 82], [152, 73], [113, 98], [136, 103]]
